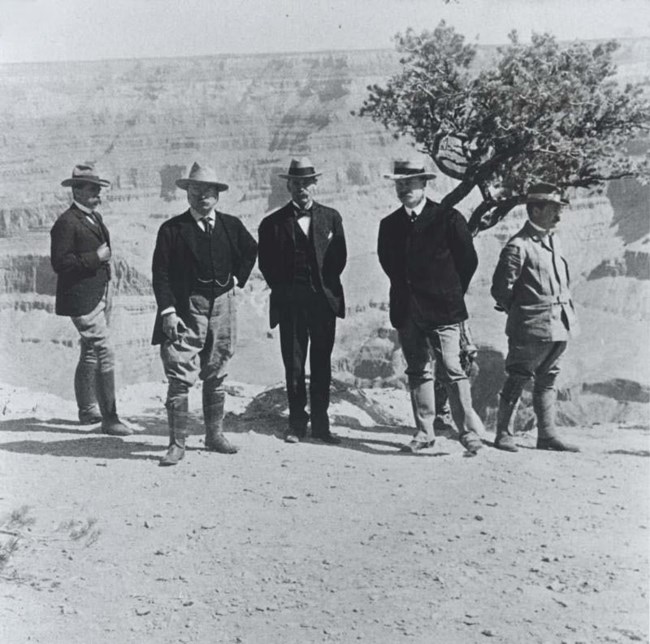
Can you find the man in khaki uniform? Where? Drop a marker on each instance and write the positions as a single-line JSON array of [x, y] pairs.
[[531, 284]]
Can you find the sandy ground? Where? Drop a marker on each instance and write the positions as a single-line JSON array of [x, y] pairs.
[[314, 543]]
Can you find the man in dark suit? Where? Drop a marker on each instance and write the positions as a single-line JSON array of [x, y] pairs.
[[531, 283], [80, 256], [199, 258], [429, 258], [302, 254]]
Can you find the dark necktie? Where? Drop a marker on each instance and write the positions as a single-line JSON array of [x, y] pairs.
[[413, 216], [207, 225]]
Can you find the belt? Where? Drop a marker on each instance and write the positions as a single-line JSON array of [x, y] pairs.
[[543, 303]]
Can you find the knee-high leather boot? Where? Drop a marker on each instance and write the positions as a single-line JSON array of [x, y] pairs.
[[213, 410], [111, 424], [544, 402], [177, 419], [508, 400], [505, 439], [85, 384]]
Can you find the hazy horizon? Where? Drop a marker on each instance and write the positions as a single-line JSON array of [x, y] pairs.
[[267, 53], [76, 31]]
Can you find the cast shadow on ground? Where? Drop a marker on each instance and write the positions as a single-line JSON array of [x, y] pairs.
[[50, 426], [84, 441], [150, 423], [276, 425], [365, 445], [99, 447]]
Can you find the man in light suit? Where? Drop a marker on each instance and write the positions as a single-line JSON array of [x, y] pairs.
[[531, 284], [429, 257], [200, 256], [302, 254], [80, 256]]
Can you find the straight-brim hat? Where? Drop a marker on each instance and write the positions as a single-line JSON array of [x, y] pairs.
[[301, 168], [202, 174], [546, 193], [409, 170], [85, 173]]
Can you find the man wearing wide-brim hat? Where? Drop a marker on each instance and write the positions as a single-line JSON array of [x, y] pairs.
[[200, 256], [302, 254], [80, 256], [531, 284], [429, 257]]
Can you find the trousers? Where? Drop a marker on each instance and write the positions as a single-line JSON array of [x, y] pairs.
[[421, 342], [95, 352], [203, 350], [307, 319], [541, 361]]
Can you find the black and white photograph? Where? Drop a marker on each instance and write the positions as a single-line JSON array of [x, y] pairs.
[[324, 322]]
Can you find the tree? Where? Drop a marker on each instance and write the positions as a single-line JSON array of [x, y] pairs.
[[536, 112]]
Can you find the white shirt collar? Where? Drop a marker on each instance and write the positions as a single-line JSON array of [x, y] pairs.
[[539, 229], [299, 209], [198, 216], [418, 209], [83, 208]]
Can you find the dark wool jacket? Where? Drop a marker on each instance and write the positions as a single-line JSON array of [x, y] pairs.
[[175, 262], [432, 259], [81, 277], [277, 253]]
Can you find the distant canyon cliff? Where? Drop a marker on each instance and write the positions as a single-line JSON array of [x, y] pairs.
[[145, 121]]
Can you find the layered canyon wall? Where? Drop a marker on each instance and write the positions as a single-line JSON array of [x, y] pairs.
[[145, 121]]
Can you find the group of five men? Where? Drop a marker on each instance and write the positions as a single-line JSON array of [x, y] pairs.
[[427, 253]]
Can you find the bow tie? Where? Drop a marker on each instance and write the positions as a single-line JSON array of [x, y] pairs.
[[303, 213]]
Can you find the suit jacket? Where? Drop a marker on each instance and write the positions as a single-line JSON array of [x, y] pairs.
[[277, 251], [175, 262], [81, 277], [531, 283], [432, 260]]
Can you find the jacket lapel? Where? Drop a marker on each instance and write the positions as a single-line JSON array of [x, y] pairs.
[[104, 229], [428, 214], [187, 227], [287, 222], [82, 217], [401, 225], [320, 231]]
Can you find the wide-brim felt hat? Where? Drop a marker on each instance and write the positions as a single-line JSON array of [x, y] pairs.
[[201, 174], [85, 173], [409, 169], [301, 168], [546, 193]]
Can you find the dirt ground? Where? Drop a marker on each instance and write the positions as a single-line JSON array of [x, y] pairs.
[[315, 543]]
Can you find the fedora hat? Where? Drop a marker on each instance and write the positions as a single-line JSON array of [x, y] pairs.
[[301, 168], [85, 173], [201, 174], [545, 193], [407, 170]]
